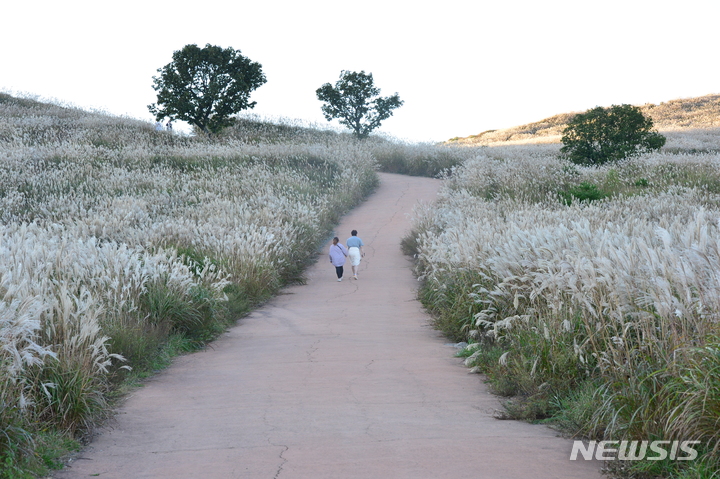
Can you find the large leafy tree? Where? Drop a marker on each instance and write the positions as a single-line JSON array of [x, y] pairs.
[[206, 86], [356, 102], [609, 134]]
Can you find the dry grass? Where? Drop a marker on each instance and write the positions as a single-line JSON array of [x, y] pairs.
[[619, 296], [114, 237], [701, 113]]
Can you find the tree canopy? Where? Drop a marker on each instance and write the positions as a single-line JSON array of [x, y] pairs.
[[609, 134], [206, 86], [356, 102]]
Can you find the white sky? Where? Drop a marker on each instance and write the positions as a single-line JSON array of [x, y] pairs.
[[461, 66]]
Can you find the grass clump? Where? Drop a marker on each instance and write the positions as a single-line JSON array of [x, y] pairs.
[[432, 160], [451, 303], [74, 399], [584, 192]]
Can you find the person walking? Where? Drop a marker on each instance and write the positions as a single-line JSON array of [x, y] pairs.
[[338, 253], [355, 251]]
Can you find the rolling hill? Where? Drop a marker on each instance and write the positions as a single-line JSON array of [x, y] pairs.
[[682, 114]]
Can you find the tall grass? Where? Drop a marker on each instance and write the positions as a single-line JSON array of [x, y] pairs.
[[601, 313], [118, 242], [424, 159]]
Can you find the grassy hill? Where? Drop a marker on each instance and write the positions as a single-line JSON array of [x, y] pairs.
[[117, 240], [589, 296], [682, 114], [121, 246]]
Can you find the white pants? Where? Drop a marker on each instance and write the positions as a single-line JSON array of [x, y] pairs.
[[354, 255]]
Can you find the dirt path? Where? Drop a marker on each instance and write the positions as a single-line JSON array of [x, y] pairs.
[[329, 380]]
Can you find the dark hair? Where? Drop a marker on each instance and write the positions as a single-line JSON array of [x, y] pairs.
[[353, 232], [336, 240]]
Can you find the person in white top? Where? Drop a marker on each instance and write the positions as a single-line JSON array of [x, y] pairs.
[[355, 251]]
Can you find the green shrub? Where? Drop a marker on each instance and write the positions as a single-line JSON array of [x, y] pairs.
[[584, 192], [602, 134]]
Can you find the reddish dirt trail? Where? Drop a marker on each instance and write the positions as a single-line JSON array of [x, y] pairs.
[[329, 380]]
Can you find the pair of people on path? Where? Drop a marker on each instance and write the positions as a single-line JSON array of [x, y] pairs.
[[168, 126], [354, 251]]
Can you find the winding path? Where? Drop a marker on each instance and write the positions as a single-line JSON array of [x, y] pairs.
[[329, 380]]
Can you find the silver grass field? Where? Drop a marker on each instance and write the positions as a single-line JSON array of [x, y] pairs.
[[598, 314], [118, 243], [590, 297]]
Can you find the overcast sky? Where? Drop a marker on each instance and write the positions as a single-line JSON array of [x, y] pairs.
[[462, 67]]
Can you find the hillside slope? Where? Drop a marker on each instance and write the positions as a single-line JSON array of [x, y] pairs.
[[122, 246], [682, 114]]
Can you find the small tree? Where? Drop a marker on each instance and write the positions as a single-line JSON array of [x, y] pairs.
[[205, 86], [356, 102], [609, 134]]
